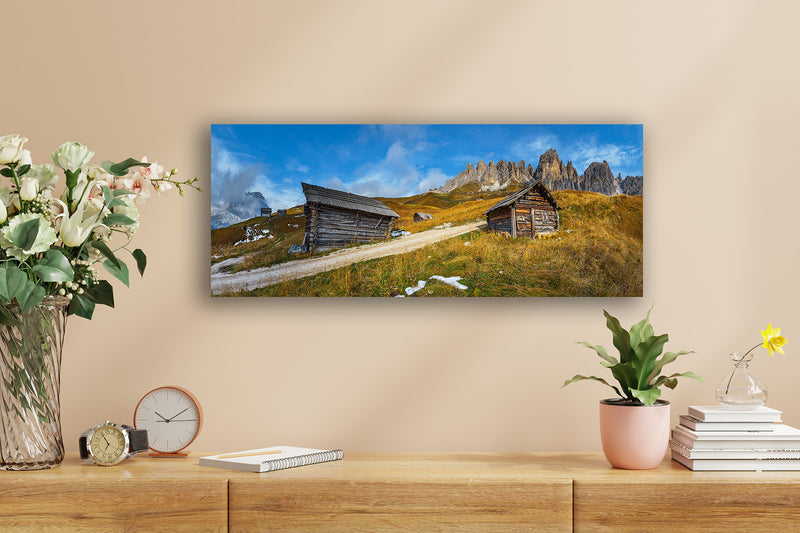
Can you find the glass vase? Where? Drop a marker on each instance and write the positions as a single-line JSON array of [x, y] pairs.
[[740, 387], [30, 368]]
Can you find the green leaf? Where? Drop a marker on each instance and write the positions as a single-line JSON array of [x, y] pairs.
[[601, 351], [101, 293], [116, 202], [578, 377], [120, 272], [123, 192], [25, 234], [34, 295], [107, 194], [118, 219], [622, 339], [54, 266], [663, 380], [626, 375], [665, 359], [7, 318], [103, 248], [81, 306], [121, 168], [647, 396], [141, 260], [638, 331], [7, 172], [645, 355], [21, 171], [12, 282]]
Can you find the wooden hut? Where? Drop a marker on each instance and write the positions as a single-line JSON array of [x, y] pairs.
[[528, 212], [337, 218]]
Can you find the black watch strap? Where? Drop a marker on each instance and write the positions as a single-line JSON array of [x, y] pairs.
[[138, 440], [82, 447]]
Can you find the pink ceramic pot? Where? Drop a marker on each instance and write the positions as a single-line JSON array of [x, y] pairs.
[[635, 437]]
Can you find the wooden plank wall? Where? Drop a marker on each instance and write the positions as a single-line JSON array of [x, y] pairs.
[[499, 220], [544, 220], [332, 227], [545, 217]]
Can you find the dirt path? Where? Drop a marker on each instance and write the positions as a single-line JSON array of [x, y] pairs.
[[222, 282]]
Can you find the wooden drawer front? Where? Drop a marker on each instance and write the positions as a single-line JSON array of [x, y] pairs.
[[113, 505], [692, 506], [472, 505]]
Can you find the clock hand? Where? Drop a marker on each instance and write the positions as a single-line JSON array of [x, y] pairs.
[[173, 416], [182, 420], [162, 416]]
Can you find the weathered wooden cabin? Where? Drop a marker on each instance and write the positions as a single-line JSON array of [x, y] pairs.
[[528, 212], [337, 218]]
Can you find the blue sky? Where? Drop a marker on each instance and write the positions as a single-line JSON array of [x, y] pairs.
[[392, 160]]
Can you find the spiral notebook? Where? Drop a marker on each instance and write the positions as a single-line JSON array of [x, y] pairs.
[[269, 459]]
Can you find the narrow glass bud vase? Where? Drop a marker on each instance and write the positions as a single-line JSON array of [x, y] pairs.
[[740, 387]]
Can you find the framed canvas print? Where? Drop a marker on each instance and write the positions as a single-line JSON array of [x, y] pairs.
[[457, 210]]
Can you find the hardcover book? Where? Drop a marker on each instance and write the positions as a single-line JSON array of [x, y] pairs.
[[736, 464], [698, 425], [782, 437], [719, 413]]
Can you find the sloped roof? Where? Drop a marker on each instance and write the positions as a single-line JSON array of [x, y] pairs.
[[346, 200], [512, 199]]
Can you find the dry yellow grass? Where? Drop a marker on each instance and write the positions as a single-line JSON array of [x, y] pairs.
[[598, 252]]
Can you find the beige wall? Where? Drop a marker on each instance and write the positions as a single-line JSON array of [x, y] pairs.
[[714, 83]]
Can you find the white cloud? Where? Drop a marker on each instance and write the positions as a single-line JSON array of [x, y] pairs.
[[233, 174], [294, 165], [623, 159], [531, 148]]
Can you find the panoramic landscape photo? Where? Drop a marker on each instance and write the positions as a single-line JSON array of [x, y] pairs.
[[413, 210]]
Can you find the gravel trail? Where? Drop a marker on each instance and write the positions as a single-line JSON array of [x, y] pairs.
[[223, 282]]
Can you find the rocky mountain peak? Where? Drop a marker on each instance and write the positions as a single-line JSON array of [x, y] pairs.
[[551, 170]]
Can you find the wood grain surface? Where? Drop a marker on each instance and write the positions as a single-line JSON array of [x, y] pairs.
[[391, 491]]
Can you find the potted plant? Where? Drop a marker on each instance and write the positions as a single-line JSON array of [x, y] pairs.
[[634, 428]]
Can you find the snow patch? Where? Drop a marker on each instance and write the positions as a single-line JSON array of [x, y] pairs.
[[253, 234], [420, 285], [400, 233], [453, 281]]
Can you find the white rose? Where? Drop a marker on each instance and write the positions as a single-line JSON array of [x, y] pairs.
[[3, 212], [25, 158], [71, 156], [28, 188], [45, 237], [45, 175], [11, 149]]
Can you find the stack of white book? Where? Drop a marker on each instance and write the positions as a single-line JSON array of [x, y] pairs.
[[725, 438]]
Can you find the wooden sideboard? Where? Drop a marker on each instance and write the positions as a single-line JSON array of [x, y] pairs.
[[391, 492]]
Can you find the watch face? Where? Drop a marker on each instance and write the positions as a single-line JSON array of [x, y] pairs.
[[107, 445], [171, 416]]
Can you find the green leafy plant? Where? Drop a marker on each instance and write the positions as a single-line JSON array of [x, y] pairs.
[[638, 369]]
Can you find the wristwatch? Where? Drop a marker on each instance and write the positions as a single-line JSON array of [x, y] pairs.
[[109, 444]]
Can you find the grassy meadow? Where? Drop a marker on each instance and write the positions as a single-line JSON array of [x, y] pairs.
[[597, 252]]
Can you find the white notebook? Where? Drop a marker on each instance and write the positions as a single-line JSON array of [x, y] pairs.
[[269, 459]]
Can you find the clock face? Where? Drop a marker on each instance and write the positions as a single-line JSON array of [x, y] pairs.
[[171, 416], [107, 444]]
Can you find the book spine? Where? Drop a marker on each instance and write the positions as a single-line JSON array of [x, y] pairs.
[[301, 460]]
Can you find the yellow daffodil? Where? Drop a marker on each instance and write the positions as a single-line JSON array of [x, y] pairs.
[[773, 342]]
